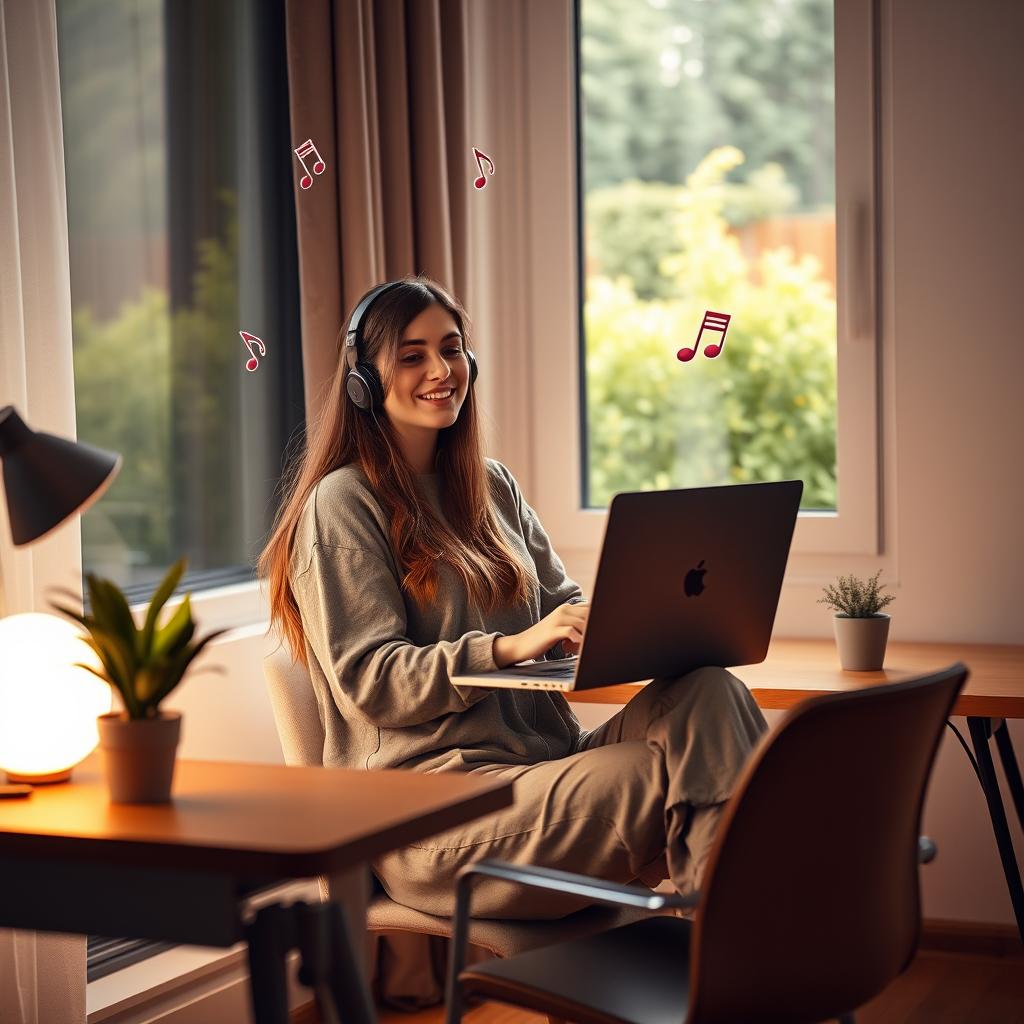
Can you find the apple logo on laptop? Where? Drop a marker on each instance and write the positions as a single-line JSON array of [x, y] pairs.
[[694, 582]]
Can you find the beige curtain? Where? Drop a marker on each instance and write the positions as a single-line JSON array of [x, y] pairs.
[[42, 976], [380, 87]]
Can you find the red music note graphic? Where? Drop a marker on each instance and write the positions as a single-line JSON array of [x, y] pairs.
[[247, 340], [481, 181], [318, 167], [713, 322]]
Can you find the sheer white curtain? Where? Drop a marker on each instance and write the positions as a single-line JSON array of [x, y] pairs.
[[42, 975]]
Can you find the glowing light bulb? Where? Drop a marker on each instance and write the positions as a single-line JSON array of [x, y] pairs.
[[48, 707]]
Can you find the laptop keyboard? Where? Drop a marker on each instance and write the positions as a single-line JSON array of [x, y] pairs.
[[548, 669]]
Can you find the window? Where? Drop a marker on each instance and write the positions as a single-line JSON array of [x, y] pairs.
[[705, 149], [105, 956], [708, 183], [181, 231], [181, 234]]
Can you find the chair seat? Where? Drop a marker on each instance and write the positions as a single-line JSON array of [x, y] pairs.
[[582, 980], [503, 938]]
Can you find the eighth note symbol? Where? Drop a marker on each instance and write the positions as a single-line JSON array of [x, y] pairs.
[[318, 167], [247, 340], [713, 322], [481, 181]]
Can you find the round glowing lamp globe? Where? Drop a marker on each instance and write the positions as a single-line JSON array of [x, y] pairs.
[[48, 707]]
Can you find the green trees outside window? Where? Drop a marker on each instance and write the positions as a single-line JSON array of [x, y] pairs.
[[709, 184], [765, 409]]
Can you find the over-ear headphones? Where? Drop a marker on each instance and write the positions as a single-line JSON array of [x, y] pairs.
[[362, 382]]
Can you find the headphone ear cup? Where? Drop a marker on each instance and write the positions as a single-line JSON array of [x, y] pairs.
[[364, 387], [356, 388], [474, 370]]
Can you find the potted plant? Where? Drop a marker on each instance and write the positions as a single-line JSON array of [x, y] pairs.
[[143, 665], [861, 629]]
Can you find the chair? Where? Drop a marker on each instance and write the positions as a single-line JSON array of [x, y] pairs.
[[302, 740], [810, 904]]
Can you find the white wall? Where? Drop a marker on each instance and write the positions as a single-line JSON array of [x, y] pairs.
[[228, 717], [956, 369], [952, 387], [952, 367]]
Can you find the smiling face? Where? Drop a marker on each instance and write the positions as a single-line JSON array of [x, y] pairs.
[[430, 359]]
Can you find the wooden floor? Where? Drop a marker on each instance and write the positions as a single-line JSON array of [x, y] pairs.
[[939, 988]]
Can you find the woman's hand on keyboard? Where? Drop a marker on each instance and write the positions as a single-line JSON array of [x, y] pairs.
[[567, 623], [570, 647]]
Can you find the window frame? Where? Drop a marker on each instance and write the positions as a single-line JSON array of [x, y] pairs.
[[230, 596], [553, 209]]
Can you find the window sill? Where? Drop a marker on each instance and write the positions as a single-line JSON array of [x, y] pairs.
[[237, 606], [181, 976]]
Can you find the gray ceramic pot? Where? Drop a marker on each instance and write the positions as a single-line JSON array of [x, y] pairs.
[[140, 756], [861, 642]]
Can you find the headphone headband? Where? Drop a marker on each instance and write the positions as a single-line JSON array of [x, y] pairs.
[[354, 335], [362, 381]]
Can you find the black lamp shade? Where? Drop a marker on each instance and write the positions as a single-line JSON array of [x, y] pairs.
[[48, 478]]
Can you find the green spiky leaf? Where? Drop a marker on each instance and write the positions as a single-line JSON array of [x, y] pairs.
[[182, 640], [101, 610], [148, 681], [159, 599], [110, 663], [176, 668], [856, 599], [112, 656], [97, 674], [143, 665], [167, 636], [118, 605]]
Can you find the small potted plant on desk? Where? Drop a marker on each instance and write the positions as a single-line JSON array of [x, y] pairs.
[[143, 665], [861, 629]]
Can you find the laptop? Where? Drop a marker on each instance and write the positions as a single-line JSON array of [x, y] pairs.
[[686, 578]]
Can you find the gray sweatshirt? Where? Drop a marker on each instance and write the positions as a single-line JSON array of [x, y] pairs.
[[382, 669]]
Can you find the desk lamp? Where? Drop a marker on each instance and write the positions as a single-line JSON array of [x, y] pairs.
[[48, 708]]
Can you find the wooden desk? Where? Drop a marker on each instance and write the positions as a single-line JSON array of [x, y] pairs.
[[189, 871], [796, 669]]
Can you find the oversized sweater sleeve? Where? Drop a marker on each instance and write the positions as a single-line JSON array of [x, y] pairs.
[[556, 587], [354, 619]]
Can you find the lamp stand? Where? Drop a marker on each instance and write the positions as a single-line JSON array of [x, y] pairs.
[[37, 780]]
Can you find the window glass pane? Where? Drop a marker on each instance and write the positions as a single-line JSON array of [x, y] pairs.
[[707, 133], [181, 228]]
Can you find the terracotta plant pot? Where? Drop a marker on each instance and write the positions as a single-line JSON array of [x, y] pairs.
[[140, 756], [861, 642]]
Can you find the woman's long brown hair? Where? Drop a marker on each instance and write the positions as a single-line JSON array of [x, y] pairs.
[[475, 546]]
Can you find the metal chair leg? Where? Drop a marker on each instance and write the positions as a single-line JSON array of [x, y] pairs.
[[1011, 768], [981, 729], [269, 938], [314, 940], [328, 966], [348, 980]]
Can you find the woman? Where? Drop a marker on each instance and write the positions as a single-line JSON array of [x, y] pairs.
[[400, 557]]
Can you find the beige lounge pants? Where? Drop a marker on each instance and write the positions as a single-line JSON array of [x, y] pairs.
[[638, 800]]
